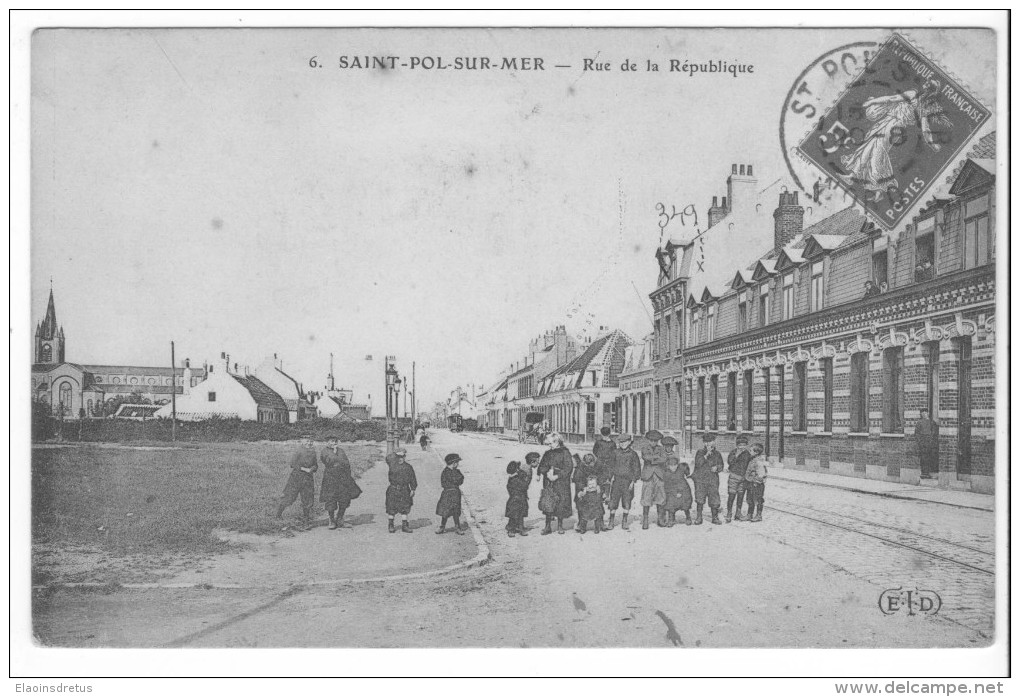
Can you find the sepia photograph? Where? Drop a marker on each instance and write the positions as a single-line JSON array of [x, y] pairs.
[[513, 337]]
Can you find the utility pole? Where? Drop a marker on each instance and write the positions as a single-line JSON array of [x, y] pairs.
[[173, 394], [414, 394]]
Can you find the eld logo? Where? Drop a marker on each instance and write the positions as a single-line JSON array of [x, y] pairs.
[[915, 602]]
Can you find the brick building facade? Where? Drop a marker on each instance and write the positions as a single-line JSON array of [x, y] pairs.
[[794, 355]]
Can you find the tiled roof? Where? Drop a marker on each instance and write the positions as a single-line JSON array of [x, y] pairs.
[[984, 149], [263, 395], [588, 356]]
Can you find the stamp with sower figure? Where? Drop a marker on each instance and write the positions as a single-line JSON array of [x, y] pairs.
[[892, 132]]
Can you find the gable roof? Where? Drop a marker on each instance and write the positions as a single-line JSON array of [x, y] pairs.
[[973, 174], [596, 353], [263, 395]]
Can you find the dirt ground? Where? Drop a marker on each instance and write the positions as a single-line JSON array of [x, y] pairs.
[[737, 585]]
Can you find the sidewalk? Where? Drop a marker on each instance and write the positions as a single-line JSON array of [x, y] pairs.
[[366, 551], [895, 490]]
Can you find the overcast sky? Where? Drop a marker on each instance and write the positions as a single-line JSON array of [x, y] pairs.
[[208, 186]]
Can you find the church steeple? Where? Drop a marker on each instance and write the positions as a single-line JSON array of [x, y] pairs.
[[49, 336]]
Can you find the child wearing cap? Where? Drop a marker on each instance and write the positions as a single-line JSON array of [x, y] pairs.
[[757, 473], [517, 484], [652, 491], [400, 492], [626, 471], [589, 505], [736, 486], [674, 481], [449, 501]]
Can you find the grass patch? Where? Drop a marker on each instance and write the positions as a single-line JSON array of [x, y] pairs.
[[128, 501]]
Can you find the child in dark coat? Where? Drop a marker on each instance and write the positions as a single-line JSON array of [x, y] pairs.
[[449, 500], [678, 491], [590, 505], [517, 502]]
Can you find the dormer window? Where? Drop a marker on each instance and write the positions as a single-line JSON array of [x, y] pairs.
[[788, 296], [742, 311], [764, 306], [817, 286], [711, 322], [977, 242], [924, 250]]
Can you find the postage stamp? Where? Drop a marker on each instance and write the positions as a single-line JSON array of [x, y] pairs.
[[894, 130]]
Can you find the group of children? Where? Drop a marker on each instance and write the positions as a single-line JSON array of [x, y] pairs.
[[602, 480], [606, 479]]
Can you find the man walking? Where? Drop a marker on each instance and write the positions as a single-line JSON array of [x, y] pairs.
[[926, 433], [626, 470], [301, 481], [708, 463], [736, 486]]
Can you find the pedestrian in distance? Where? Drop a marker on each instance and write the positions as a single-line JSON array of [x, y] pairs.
[[301, 481], [674, 482], [757, 473], [400, 492], [926, 433], [590, 506], [653, 493], [423, 439], [736, 486], [338, 487], [555, 469], [517, 484], [626, 471], [708, 463], [450, 500]]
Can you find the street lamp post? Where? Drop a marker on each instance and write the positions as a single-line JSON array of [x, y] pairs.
[[392, 385]]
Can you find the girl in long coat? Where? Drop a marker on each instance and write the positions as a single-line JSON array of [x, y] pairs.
[[400, 492], [338, 487], [449, 500], [555, 468], [517, 502]]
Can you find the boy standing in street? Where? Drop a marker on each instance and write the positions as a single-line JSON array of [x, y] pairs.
[[735, 486], [626, 470], [301, 481], [708, 463], [400, 492], [517, 495], [757, 473], [652, 491]]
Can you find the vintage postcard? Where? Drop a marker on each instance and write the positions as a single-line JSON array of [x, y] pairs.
[[519, 338]]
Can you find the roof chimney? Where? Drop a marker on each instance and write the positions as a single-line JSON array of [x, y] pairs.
[[789, 217], [741, 187]]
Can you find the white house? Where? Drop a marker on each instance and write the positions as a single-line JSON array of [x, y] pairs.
[[229, 395]]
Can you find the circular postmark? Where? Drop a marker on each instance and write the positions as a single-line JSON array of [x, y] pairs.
[[817, 87], [881, 130]]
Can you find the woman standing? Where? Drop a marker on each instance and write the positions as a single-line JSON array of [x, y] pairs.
[[449, 501], [555, 468], [338, 487]]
